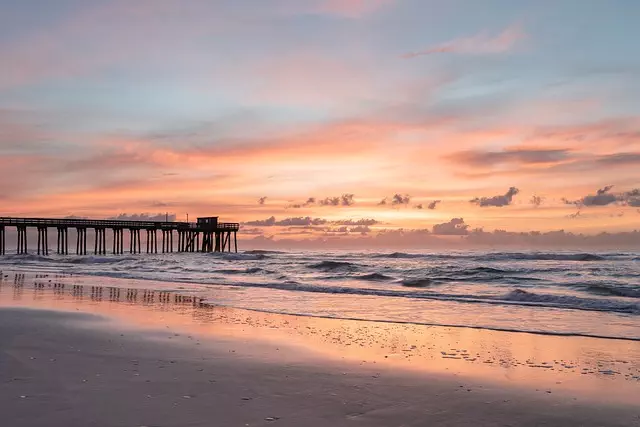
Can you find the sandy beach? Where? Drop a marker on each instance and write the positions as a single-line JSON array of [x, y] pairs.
[[74, 355]]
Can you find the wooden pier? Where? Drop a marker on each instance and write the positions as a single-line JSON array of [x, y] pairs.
[[216, 236]]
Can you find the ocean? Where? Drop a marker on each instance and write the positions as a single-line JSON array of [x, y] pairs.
[[560, 293]]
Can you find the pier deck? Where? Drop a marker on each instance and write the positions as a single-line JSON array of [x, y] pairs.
[[216, 236]]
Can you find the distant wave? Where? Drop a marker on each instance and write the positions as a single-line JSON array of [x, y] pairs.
[[333, 266], [251, 270], [400, 255], [244, 256], [262, 252], [375, 277], [536, 256], [504, 256]]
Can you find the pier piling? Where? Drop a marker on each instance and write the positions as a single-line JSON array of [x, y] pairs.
[[63, 241], [2, 241], [22, 240]]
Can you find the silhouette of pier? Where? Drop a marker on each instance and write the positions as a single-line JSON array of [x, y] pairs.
[[216, 236]]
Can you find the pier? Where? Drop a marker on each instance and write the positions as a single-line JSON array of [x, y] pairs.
[[206, 235]]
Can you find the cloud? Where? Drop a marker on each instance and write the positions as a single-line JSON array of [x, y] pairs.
[[160, 217], [605, 197], [269, 222], [433, 205], [480, 44], [455, 227], [420, 207], [262, 200], [351, 222], [521, 156], [344, 200], [310, 201], [619, 159], [160, 204], [498, 201], [288, 222], [399, 199], [344, 230], [396, 200], [352, 8], [536, 200], [362, 229], [251, 231], [632, 198]]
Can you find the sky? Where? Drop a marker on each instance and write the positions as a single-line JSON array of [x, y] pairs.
[[316, 120]]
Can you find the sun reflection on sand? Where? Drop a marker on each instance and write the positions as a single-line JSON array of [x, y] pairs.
[[587, 367]]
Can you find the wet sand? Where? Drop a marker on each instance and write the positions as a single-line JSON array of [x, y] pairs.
[[73, 355]]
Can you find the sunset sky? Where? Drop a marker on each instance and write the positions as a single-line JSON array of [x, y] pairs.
[[363, 115]]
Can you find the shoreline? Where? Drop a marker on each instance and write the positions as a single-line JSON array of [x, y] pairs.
[[527, 359], [68, 369], [70, 352]]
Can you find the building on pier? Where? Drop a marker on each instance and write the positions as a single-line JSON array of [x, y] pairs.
[[206, 235]]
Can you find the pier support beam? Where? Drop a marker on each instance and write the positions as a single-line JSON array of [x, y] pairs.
[[118, 244], [2, 241], [43, 241], [134, 243], [207, 241], [100, 244], [81, 243], [22, 240], [63, 241], [182, 240], [152, 241], [167, 241]]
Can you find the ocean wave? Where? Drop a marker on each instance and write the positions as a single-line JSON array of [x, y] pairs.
[[262, 252], [570, 301], [506, 256], [399, 255], [333, 266], [516, 297], [375, 277], [551, 256], [417, 283], [90, 259], [608, 290], [240, 256]]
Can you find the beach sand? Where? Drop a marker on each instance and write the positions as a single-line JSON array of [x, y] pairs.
[[73, 355]]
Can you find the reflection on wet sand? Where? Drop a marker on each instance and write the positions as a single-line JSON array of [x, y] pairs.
[[602, 368]]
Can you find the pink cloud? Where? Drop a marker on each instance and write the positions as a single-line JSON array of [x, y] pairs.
[[352, 8], [479, 44]]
